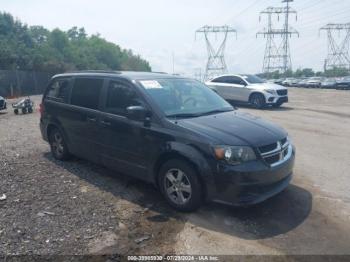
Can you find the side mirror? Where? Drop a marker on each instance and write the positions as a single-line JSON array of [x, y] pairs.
[[138, 113]]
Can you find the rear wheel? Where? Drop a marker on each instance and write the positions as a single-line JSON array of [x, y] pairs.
[[16, 111], [180, 185], [58, 145], [30, 110], [258, 101]]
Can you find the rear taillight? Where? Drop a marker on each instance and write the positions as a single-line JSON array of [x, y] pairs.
[[41, 109]]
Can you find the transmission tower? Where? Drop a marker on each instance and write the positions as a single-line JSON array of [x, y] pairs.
[[277, 55], [216, 64], [338, 52]]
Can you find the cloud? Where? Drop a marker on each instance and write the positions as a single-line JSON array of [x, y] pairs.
[[157, 28]]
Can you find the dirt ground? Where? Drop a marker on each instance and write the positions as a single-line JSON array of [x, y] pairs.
[[77, 207]]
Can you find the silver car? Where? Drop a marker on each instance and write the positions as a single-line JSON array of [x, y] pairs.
[[2, 103], [249, 89]]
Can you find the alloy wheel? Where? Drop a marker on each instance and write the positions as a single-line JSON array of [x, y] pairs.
[[57, 144], [177, 186]]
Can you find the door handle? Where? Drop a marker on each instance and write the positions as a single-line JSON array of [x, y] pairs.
[[91, 119], [105, 123]]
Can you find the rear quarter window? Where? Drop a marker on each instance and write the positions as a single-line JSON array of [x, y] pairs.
[[59, 90]]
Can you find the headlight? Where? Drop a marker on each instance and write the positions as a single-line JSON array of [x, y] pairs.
[[234, 155], [271, 91]]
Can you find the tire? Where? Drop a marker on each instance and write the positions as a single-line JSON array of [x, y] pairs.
[[30, 110], [257, 101], [277, 105], [24, 111], [59, 149], [15, 111], [180, 185]]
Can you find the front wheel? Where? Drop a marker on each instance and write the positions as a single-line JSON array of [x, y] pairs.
[[180, 185], [258, 101], [277, 105]]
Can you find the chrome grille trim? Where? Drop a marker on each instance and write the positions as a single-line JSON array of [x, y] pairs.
[[282, 151], [278, 148]]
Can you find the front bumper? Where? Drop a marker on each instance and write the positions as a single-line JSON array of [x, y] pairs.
[[277, 100], [3, 105], [251, 183]]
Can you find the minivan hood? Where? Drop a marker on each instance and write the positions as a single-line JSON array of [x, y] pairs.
[[266, 86], [1, 98], [235, 128]]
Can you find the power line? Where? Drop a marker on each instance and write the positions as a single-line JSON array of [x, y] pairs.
[[216, 64], [277, 57], [338, 53]]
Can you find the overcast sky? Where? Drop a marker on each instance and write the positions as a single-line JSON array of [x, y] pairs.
[[157, 28]]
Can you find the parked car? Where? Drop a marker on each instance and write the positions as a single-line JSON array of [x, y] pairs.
[[171, 131], [278, 81], [344, 83], [2, 103], [287, 81], [314, 82], [328, 83], [249, 89], [290, 82], [302, 82]]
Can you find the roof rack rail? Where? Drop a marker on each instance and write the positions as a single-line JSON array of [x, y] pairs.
[[95, 71]]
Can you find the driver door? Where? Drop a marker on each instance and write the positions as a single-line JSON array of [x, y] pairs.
[[123, 141]]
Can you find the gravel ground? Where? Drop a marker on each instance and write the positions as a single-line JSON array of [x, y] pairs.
[[75, 207]]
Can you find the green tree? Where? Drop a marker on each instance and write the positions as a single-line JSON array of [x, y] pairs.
[[36, 48]]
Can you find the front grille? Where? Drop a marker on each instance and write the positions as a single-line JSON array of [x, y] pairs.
[[267, 148], [276, 152], [2, 103], [272, 159], [282, 92]]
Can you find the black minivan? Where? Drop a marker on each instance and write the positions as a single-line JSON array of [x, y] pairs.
[[171, 131]]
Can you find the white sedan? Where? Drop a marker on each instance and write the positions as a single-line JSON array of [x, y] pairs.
[[249, 89]]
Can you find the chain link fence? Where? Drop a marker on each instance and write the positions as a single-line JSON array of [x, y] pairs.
[[23, 83]]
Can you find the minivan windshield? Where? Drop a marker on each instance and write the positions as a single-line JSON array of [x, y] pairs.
[[253, 79], [184, 97]]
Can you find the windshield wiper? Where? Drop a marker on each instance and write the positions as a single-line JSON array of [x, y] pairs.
[[216, 111], [183, 115]]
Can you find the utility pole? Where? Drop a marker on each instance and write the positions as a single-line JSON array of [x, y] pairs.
[[287, 62], [277, 55], [216, 64], [338, 51], [173, 58]]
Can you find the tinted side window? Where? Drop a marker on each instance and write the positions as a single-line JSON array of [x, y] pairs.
[[235, 80], [221, 79], [86, 92], [59, 90], [119, 97]]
